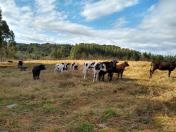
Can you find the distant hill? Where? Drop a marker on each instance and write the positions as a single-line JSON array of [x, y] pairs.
[[82, 51]]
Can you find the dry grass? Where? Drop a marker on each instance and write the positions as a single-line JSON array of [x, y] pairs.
[[66, 102]]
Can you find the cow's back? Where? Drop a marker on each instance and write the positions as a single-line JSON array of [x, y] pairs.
[[163, 65]]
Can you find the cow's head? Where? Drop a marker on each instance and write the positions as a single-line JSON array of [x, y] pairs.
[[68, 64], [102, 67], [42, 67], [92, 64], [126, 64], [76, 67]]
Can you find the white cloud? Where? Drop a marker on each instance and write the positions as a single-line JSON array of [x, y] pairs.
[[120, 22], [156, 32], [101, 8]]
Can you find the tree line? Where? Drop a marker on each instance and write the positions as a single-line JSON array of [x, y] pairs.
[[84, 51], [7, 40], [9, 49]]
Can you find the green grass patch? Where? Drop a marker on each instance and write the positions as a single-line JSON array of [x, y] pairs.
[[107, 114], [85, 127]]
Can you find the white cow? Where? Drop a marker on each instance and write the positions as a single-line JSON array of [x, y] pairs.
[[61, 67]]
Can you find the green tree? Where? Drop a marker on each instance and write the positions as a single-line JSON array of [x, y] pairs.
[[7, 39]]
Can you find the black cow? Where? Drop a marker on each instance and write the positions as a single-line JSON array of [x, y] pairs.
[[20, 64], [36, 71], [10, 61], [170, 66], [110, 68]]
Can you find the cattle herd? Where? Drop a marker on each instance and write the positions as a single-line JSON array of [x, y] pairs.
[[99, 69]]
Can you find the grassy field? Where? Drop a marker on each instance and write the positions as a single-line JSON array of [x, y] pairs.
[[66, 102]]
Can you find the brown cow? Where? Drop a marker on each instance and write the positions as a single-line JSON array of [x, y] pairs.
[[120, 68], [170, 66]]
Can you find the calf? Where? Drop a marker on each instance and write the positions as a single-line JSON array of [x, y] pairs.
[[61, 67], [96, 67], [170, 66], [120, 68], [87, 66], [10, 61], [110, 67], [36, 71], [20, 64], [96, 70], [74, 66]]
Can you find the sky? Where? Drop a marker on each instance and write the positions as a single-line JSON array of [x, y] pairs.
[[143, 25]]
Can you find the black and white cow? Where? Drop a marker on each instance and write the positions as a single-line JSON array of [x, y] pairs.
[[61, 67], [88, 66], [74, 66], [96, 70], [96, 67], [110, 68], [36, 71]]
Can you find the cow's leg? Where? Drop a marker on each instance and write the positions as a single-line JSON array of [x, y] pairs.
[[102, 76], [38, 74], [84, 73], [55, 69], [151, 72], [94, 76], [169, 73], [99, 76], [110, 76], [121, 74], [118, 74], [62, 69], [33, 77]]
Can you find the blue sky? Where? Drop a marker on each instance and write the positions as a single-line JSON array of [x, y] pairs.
[[145, 25]]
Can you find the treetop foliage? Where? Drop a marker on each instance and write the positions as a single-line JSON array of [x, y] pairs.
[[7, 39], [84, 51]]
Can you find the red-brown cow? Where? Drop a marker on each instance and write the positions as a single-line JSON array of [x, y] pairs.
[[120, 68], [170, 66]]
